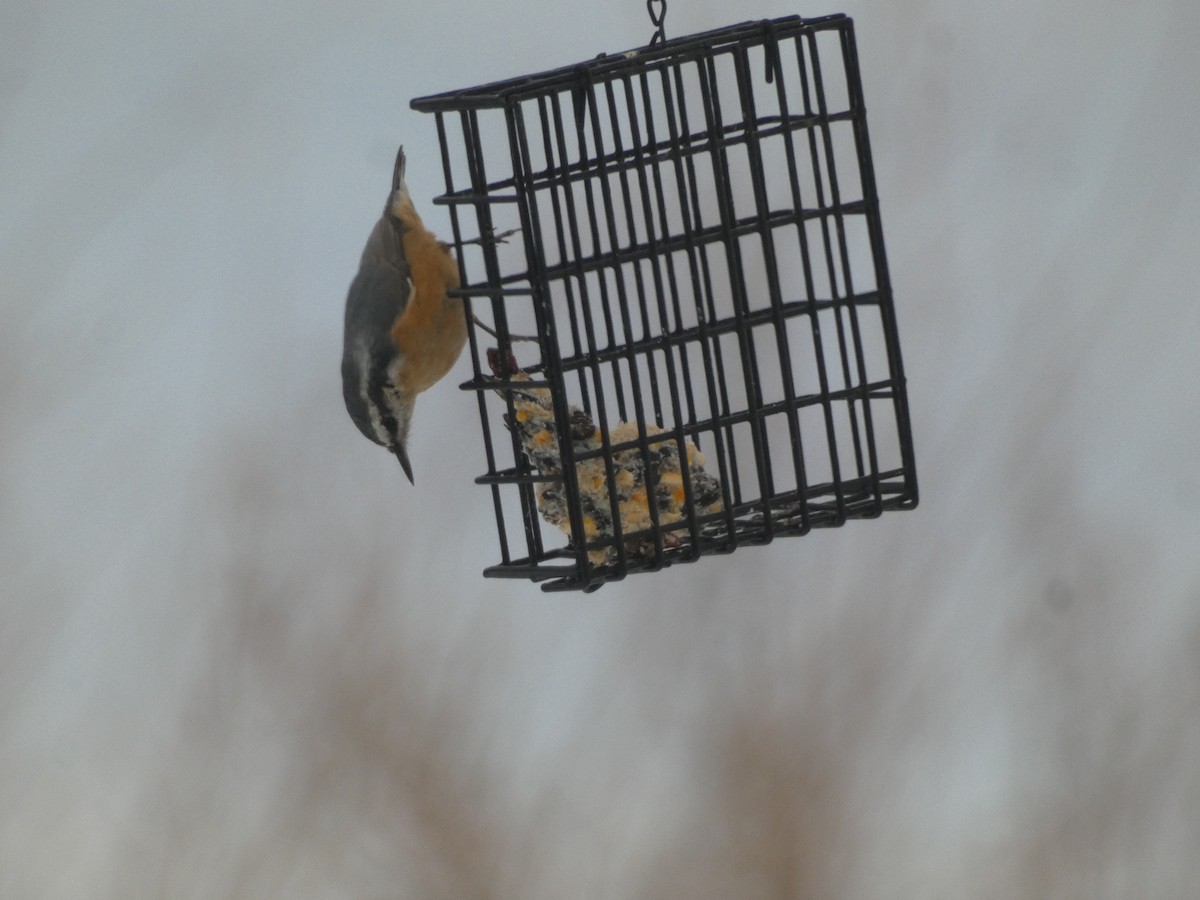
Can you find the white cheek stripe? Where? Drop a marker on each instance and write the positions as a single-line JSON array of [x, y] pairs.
[[395, 402], [376, 421]]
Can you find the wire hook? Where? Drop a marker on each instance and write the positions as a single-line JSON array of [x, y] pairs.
[[658, 12]]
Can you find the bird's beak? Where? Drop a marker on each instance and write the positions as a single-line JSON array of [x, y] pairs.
[[404, 463], [398, 171]]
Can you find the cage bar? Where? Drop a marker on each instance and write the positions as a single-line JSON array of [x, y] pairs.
[[700, 258]]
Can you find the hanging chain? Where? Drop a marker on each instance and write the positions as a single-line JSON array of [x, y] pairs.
[[658, 12]]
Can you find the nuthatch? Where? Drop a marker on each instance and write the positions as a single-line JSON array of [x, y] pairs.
[[403, 331]]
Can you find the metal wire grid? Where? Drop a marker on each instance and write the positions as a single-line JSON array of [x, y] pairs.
[[700, 249]]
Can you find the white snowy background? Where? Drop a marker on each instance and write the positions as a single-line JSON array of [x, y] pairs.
[[240, 656]]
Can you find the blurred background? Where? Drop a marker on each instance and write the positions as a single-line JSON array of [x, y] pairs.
[[240, 656]]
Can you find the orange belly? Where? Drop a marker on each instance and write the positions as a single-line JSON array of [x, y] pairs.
[[432, 330]]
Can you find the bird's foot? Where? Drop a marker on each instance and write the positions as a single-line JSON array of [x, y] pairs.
[[495, 334], [492, 238]]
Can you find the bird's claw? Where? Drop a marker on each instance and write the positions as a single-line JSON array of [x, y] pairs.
[[492, 238]]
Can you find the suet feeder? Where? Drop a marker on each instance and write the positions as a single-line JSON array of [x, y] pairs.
[[700, 264]]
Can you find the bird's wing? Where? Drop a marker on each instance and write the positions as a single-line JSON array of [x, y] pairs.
[[378, 296]]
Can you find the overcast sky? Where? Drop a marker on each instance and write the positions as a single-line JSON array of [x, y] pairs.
[[241, 656]]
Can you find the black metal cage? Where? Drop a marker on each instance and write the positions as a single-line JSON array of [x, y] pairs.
[[698, 256]]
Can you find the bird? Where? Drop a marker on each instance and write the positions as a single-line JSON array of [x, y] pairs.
[[403, 329]]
